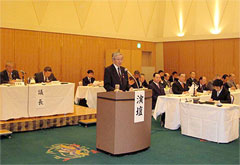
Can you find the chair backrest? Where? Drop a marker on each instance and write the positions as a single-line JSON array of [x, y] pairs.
[[232, 99]]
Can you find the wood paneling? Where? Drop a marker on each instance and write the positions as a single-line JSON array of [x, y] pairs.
[[223, 56], [207, 57], [237, 58], [50, 53], [171, 57], [204, 58], [6, 46], [136, 60], [70, 56], [186, 57], [27, 51]]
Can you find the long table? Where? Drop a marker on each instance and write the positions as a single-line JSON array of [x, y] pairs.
[[170, 105], [36, 100], [209, 122]]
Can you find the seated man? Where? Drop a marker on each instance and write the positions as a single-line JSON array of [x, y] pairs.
[[137, 77], [157, 90], [45, 76], [192, 79], [89, 79], [166, 82], [161, 73], [210, 83], [225, 81], [173, 77], [202, 85], [9, 75], [179, 87], [231, 82], [220, 93], [143, 81]]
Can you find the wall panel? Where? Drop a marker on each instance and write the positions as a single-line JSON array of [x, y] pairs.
[[206, 57], [51, 52], [27, 51], [70, 56], [6, 46]]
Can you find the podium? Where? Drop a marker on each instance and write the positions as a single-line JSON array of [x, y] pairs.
[[116, 131]]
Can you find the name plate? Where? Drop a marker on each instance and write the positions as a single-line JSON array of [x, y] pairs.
[[19, 84]]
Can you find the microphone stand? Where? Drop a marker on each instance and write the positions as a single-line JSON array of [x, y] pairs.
[[132, 77]]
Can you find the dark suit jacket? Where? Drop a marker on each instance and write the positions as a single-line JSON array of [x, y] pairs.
[[190, 81], [39, 77], [145, 84], [156, 92], [226, 86], [111, 78], [178, 89], [202, 88], [224, 96], [4, 76], [135, 85], [150, 82], [172, 80], [166, 83], [86, 81]]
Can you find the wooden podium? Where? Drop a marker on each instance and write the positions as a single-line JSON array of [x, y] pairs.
[[116, 131]]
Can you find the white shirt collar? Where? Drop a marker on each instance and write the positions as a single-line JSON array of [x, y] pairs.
[[116, 67], [156, 83], [218, 93]]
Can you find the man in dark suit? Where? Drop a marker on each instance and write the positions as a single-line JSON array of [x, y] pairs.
[[173, 77], [143, 81], [45, 76], [166, 82], [116, 74], [157, 90], [202, 85], [9, 75], [225, 81], [220, 93], [137, 77], [89, 79], [192, 79], [179, 87], [161, 72]]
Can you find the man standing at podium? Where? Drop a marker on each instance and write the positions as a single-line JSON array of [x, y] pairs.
[[116, 74]]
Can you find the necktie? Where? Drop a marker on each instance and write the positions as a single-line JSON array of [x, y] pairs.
[[182, 85], [119, 74], [10, 76]]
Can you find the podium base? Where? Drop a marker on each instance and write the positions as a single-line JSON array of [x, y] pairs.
[[123, 154]]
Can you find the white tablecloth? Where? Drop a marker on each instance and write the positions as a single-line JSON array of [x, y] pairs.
[[21, 101], [170, 105], [89, 93], [209, 122], [59, 99], [13, 102]]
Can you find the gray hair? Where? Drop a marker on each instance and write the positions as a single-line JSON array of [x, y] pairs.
[[115, 54]]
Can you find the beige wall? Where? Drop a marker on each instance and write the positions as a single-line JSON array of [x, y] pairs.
[[146, 20]]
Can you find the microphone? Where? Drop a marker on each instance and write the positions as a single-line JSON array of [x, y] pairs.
[[23, 72], [126, 70]]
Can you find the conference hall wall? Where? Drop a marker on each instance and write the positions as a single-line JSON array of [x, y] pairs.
[[205, 57], [69, 55]]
